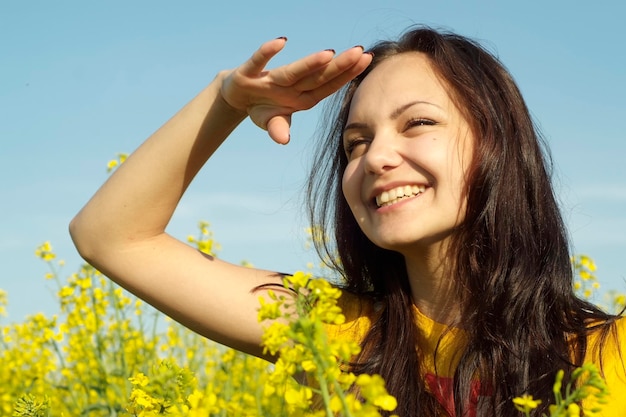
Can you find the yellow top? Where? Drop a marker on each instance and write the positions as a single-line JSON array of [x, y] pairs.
[[358, 320]]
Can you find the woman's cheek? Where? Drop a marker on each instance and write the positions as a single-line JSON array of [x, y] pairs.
[[351, 188]]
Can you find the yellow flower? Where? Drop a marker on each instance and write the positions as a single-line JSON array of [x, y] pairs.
[[300, 395], [139, 379], [558, 382], [274, 337], [65, 292], [525, 403], [299, 279], [268, 311], [308, 366], [114, 163], [203, 225], [373, 390], [587, 262], [44, 251], [573, 410], [3, 302], [111, 165]]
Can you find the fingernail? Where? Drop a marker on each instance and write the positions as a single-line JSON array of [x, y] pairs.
[[282, 37], [330, 50], [358, 46], [369, 53]]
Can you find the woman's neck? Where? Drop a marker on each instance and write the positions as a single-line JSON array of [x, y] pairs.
[[432, 287]]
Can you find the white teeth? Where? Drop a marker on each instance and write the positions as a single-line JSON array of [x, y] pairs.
[[387, 198]]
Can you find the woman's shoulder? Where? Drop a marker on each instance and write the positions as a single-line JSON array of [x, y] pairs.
[[607, 339], [607, 350], [359, 311]]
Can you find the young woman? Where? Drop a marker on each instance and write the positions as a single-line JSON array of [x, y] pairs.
[[436, 191]]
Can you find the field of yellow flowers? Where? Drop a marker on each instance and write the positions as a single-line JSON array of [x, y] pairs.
[[105, 353]]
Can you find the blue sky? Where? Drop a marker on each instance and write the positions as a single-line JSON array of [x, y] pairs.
[[82, 81]]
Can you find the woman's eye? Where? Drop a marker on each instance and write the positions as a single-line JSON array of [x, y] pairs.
[[355, 147], [420, 122]]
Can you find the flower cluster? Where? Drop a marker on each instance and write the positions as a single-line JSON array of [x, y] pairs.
[[79, 359], [204, 241], [28, 405], [114, 163], [585, 282], [586, 387], [297, 314]]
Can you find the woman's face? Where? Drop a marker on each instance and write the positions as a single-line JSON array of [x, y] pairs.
[[409, 150]]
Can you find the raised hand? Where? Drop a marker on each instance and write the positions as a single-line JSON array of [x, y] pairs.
[[270, 97]]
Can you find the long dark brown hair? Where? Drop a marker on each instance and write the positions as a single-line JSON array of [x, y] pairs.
[[510, 256]]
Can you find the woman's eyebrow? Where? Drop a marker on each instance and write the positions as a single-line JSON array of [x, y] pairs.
[[393, 116], [355, 125], [397, 112]]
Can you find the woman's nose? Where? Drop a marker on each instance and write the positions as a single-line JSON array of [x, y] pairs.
[[382, 155]]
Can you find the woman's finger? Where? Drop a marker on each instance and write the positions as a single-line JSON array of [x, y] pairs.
[[278, 128], [290, 74], [259, 59], [336, 67], [340, 79]]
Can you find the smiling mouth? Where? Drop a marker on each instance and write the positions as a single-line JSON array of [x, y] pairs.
[[387, 198]]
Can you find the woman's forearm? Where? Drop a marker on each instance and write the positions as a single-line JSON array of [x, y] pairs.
[[138, 200]]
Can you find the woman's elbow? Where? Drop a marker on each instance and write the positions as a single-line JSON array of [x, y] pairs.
[[84, 239]]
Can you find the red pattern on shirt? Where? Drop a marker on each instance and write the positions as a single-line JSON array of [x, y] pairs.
[[443, 390]]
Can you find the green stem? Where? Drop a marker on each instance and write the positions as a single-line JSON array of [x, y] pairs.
[[320, 367], [324, 391]]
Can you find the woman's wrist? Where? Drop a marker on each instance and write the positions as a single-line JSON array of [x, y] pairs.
[[219, 80]]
